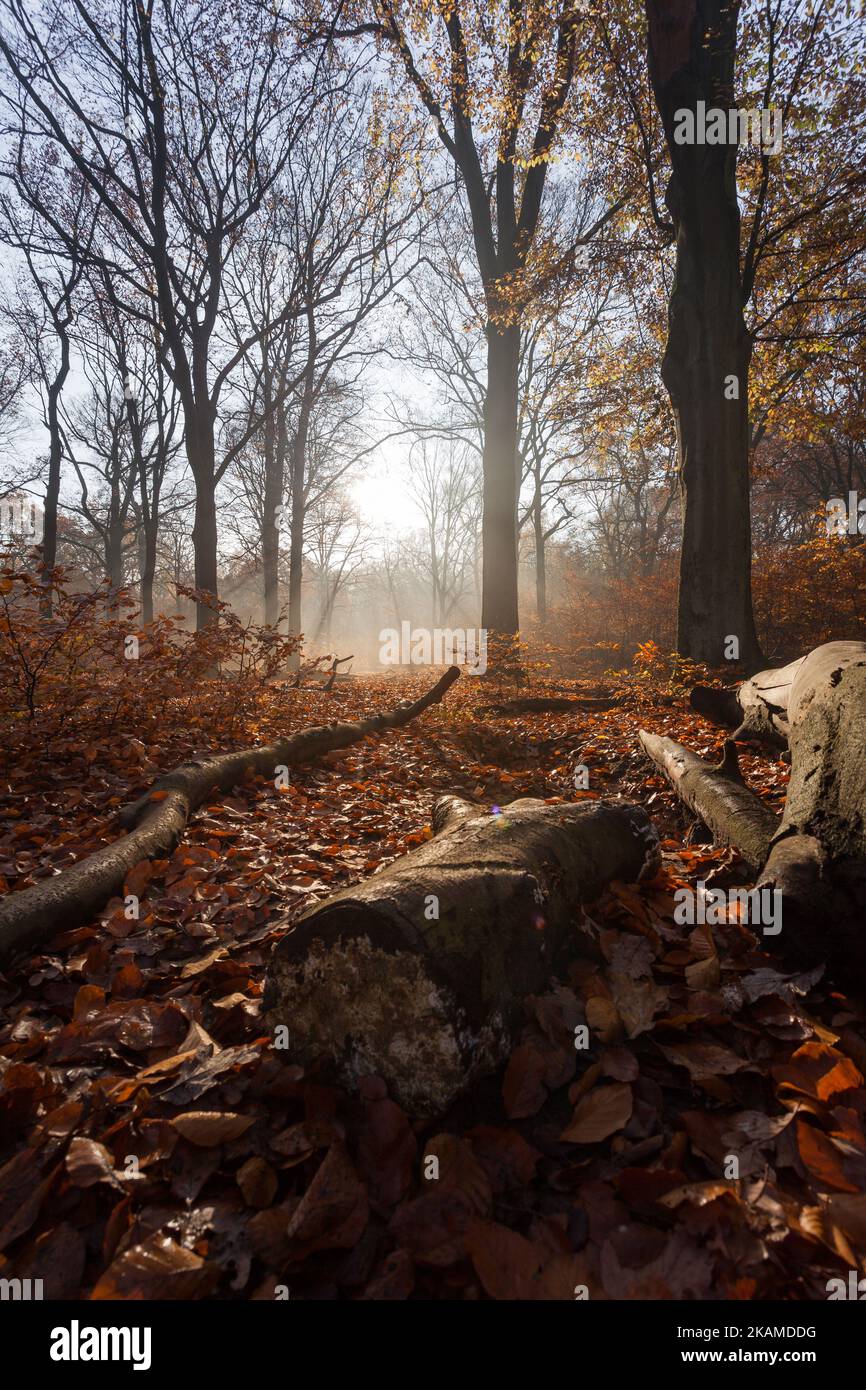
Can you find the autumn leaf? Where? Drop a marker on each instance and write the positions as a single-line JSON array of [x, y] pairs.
[[604, 1111], [207, 1128]]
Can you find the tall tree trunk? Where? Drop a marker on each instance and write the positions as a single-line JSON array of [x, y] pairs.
[[692, 45], [299, 512], [499, 610], [540, 558], [147, 567], [55, 459], [200, 452], [273, 496], [114, 558]]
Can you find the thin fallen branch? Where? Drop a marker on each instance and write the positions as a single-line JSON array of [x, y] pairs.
[[338, 661], [718, 795], [156, 822]]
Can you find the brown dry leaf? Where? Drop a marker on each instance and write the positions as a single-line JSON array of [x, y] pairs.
[[822, 1158], [604, 1020], [818, 1070], [602, 1112], [258, 1182], [158, 1268], [88, 1162], [698, 1193], [637, 1002], [505, 1156], [506, 1263], [198, 967], [167, 1067], [138, 878], [704, 974], [459, 1171], [207, 1128], [523, 1088], [849, 1214], [704, 1060], [333, 1211]]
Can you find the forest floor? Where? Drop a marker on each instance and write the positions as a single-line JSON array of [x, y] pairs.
[[156, 1145]]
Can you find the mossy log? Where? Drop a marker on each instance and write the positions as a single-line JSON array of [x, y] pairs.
[[418, 973]]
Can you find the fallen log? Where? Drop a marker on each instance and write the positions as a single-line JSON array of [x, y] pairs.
[[717, 795], [157, 820], [763, 708], [418, 973], [816, 853]]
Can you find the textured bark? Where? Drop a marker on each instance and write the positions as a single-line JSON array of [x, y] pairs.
[[499, 607], [816, 851], [691, 51], [157, 821], [718, 795], [418, 973], [200, 453]]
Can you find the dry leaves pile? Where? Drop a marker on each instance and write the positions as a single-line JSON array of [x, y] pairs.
[[156, 1144]]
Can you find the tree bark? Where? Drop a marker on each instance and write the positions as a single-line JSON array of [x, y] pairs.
[[55, 457], [200, 452], [540, 558], [692, 48], [419, 973], [299, 515], [816, 851], [157, 821], [717, 795], [149, 533], [499, 611], [271, 502]]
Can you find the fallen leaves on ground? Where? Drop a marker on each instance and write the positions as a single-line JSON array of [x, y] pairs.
[[709, 1142]]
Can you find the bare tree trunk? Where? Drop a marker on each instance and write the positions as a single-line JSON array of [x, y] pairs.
[[55, 459], [273, 496], [147, 566], [299, 512], [706, 364], [499, 611], [200, 452], [540, 559]]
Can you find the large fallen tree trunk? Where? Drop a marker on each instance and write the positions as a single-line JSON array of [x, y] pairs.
[[418, 973], [157, 821], [816, 853]]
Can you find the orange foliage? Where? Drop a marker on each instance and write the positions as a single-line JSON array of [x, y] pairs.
[[803, 595]]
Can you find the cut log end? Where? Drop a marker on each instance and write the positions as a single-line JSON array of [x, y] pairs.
[[419, 972], [371, 1010]]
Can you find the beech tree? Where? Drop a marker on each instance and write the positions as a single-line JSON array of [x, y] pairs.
[[496, 80], [751, 99]]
